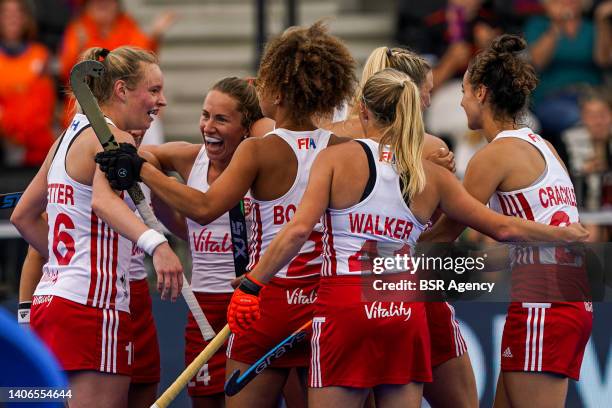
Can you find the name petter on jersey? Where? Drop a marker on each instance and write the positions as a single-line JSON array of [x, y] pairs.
[[58, 193], [379, 225]]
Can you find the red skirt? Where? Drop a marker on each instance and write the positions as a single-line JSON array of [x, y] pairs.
[[145, 368], [446, 339], [546, 337], [83, 337], [285, 305], [365, 344], [211, 377]]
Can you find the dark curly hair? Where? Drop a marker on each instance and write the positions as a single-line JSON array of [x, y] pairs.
[[508, 76], [312, 70]]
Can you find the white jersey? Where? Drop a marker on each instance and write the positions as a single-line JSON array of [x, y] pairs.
[[550, 200], [211, 245], [381, 225], [269, 217], [88, 261], [137, 269]]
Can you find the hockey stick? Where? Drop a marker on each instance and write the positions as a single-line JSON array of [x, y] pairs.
[[192, 369], [237, 382], [90, 107], [9, 200]]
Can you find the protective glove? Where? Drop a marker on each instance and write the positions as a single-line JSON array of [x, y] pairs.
[[121, 166], [243, 309]]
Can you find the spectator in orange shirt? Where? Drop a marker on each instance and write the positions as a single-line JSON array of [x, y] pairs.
[[27, 97], [103, 23]]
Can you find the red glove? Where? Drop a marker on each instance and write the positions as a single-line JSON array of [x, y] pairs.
[[243, 309]]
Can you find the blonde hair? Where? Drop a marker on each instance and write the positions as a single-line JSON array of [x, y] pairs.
[[393, 98], [123, 63], [400, 59]]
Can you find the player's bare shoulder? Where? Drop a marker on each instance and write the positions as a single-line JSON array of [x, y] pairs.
[[341, 146], [334, 139], [346, 157], [498, 151], [432, 143]]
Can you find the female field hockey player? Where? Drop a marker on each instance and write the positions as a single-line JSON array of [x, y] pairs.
[[356, 345], [81, 305]]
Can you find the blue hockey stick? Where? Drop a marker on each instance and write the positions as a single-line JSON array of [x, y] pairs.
[[237, 382], [10, 200]]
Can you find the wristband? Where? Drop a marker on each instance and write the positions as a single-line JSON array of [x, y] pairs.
[[23, 313], [250, 286], [149, 240]]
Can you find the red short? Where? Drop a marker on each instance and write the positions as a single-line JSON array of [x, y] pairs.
[[446, 339], [211, 377], [285, 305], [145, 368], [546, 337], [83, 337], [365, 344]]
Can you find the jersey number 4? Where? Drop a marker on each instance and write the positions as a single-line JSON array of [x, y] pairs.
[[363, 260], [202, 377]]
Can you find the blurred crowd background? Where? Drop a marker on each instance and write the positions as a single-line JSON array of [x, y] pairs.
[[570, 44]]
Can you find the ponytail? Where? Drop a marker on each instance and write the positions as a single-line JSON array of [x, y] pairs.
[[377, 61], [393, 98]]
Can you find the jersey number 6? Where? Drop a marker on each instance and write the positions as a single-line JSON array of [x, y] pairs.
[[60, 235]]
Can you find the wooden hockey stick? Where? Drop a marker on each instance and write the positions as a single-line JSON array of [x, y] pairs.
[[192, 369]]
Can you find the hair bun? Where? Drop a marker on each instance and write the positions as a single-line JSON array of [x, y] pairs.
[[508, 43]]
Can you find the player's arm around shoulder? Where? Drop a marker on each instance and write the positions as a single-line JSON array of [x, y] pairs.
[[107, 203], [460, 209], [469, 208], [222, 195], [111, 208], [436, 150], [172, 156], [460, 203], [234, 182]]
